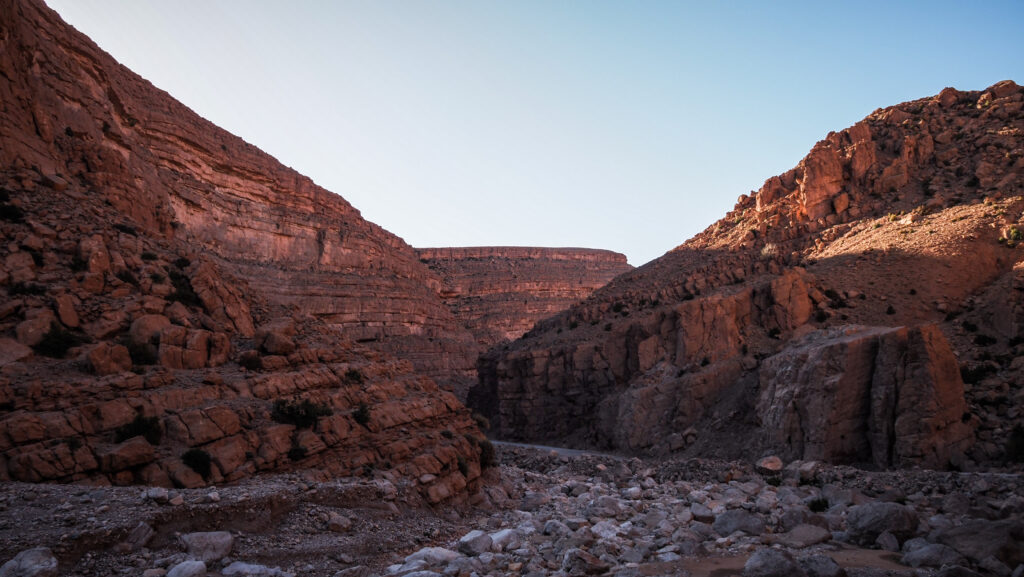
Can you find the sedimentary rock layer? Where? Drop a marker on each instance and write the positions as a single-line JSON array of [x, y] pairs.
[[73, 113], [498, 293], [911, 217]]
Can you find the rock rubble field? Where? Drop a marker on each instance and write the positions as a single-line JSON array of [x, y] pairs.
[[539, 514]]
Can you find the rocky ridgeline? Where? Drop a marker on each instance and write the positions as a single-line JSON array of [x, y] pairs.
[[131, 359], [545, 514], [863, 307], [73, 114], [498, 293]]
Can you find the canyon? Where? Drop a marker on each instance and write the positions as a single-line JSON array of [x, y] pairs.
[[834, 365]]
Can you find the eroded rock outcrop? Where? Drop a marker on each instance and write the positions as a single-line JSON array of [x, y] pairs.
[[74, 116], [158, 323], [910, 218], [498, 293]]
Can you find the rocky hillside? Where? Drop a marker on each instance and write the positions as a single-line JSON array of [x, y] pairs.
[[73, 114], [177, 308], [498, 293], [864, 307]]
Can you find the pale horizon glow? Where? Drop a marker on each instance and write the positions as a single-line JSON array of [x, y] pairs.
[[627, 126]]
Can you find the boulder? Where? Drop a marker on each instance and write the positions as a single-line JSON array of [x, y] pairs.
[[37, 562], [772, 563], [932, 555], [977, 539], [865, 523], [107, 358], [738, 520], [147, 327], [208, 546], [189, 568]]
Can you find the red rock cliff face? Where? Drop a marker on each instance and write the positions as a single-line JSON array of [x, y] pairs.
[[910, 218], [176, 308], [498, 293], [71, 110]]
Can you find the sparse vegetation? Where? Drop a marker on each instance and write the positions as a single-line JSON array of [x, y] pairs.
[[146, 427], [11, 213], [58, 340], [183, 291], [198, 460], [362, 414], [1015, 445], [182, 263], [488, 457], [303, 414]]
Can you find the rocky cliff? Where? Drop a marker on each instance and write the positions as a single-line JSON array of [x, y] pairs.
[[73, 114], [899, 232], [498, 293], [177, 308]]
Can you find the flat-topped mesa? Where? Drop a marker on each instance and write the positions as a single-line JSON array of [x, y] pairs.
[[500, 292], [72, 113], [819, 294]]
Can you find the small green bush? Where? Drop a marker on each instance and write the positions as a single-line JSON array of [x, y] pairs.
[[58, 341], [126, 276], [147, 427], [183, 291], [819, 505], [302, 414], [11, 213], [26, 288], [488, 458], [362, 414], [198, 460], [481, 421], [1015, 445]]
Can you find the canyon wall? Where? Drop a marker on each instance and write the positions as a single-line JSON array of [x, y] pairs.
[[907, 221], [178, 309], [498, 293], [71, 113]]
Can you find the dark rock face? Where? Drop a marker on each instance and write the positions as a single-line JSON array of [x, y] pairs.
[[71, 110], [902, 229], [499, 293], [148, 271]]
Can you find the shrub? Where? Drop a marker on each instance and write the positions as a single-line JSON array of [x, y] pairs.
[[974, 374], [302, 414], [157, 277], [127, 229], [147, 427], [183, 291], [78, 263], [573, 325], [198, 460], [182, 262], [820, 316], [11, 213], [362, 414], [141, 353], [447, 434], [481, 421], [297, 453], [487, 454], [1014, 234], [126, 276], [819, 505], [26, 288], [970, 327], [58, 340], [984, 340], [148, 256], [353, 376], [1015, 445]]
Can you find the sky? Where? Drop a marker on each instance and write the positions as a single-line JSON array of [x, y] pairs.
[[628, 126]]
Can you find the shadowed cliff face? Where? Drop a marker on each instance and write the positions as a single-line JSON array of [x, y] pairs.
[[498, 293], [71, 110], [788, 309], [177, 308]]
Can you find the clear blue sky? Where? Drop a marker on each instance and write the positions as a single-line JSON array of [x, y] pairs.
[[629, 126]]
